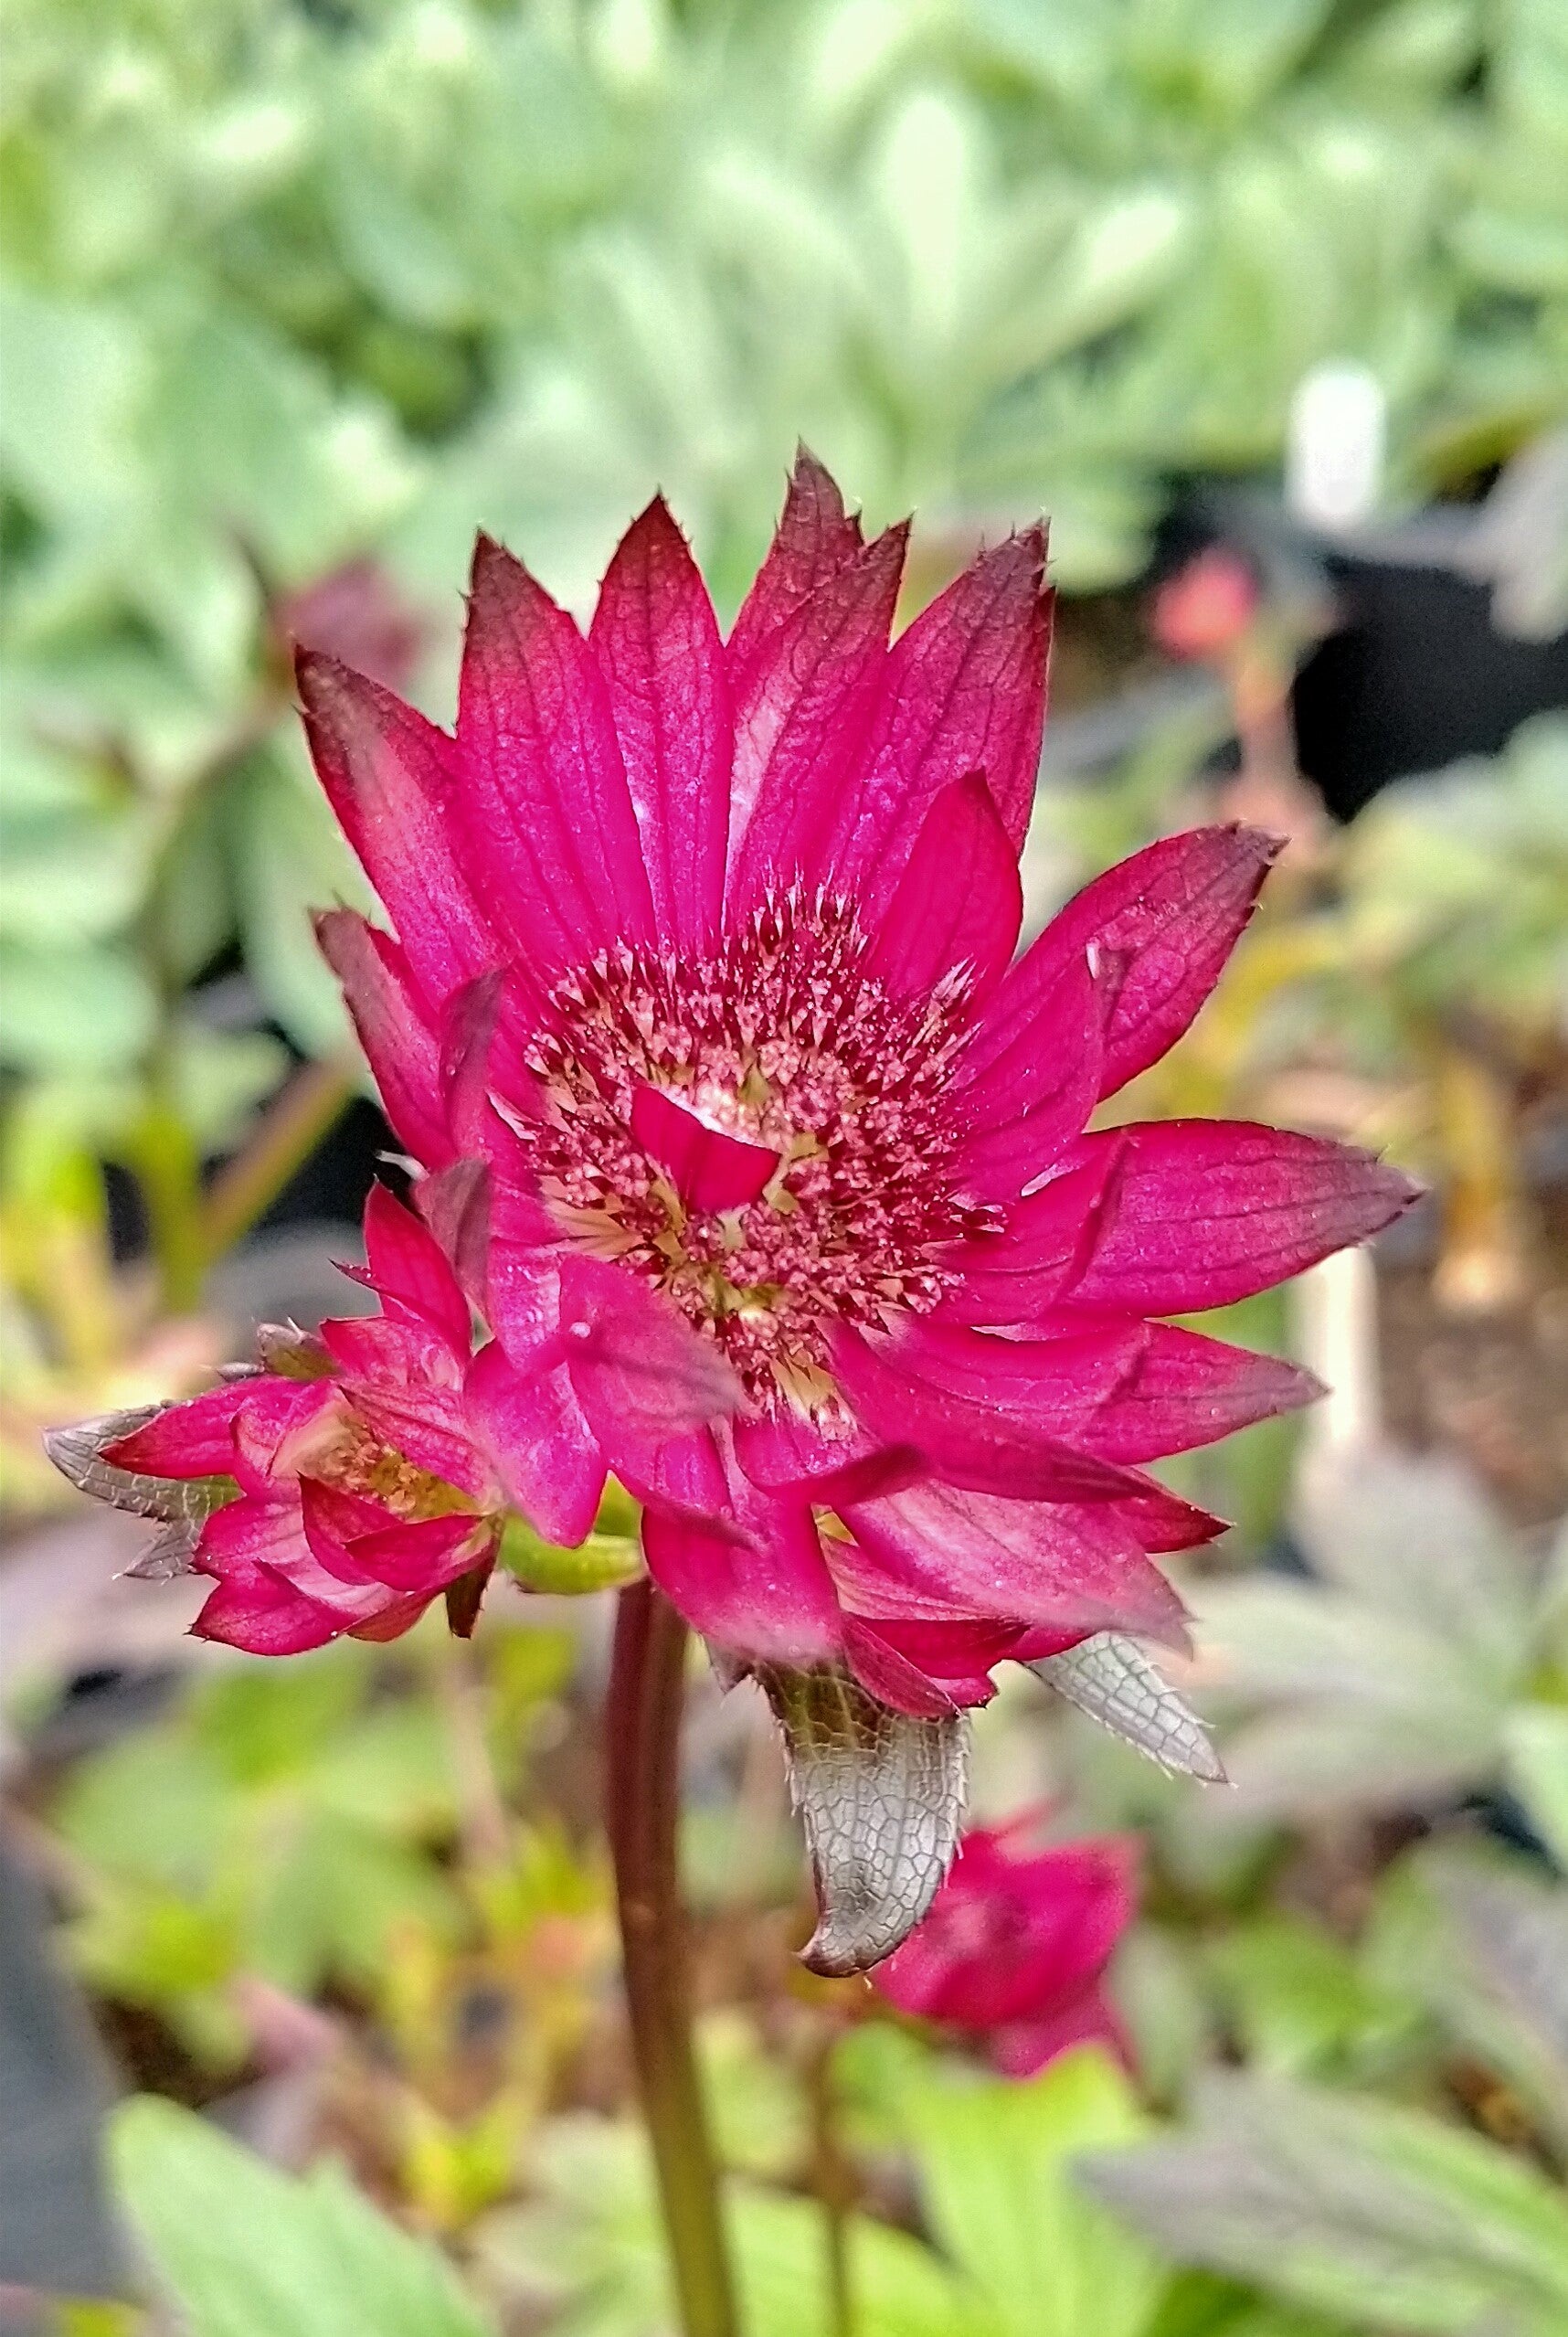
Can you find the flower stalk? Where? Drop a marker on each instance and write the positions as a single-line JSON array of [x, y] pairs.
[[832, 2177], [643, 1803]]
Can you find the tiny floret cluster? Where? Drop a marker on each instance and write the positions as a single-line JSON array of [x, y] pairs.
[[761, 1132]]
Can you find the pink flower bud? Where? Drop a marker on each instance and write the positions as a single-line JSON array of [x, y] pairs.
[[1203, 611]]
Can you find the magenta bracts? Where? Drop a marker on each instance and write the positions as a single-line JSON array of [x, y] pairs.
[[789, 1218]]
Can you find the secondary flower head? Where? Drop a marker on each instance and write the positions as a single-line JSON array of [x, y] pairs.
[[764, 1160], [341, 1484], [1015, 1947]]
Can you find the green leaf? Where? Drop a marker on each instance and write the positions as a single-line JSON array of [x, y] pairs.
[[195, 911], [73, 1010], [153, 1808], [1387, 1683], [1298, 2000], [219, 1080], [289, 860], [591, 2252], [897, 2287], [73, 373], [146, 1947], [336, 1902], [269, 1723], [1198, 2304], [1478, 1937], [243, 430], [69, 872], [1120, 253], [392, 1770], [995, 2162], [247, 2252], [1410, 49], [1229, 54], [278, 1822], [1346, 2205], [1157, 1986], [755, 2099]]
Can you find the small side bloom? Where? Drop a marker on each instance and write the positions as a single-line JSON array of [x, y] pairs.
[[1013, 1954], [343, 1483]]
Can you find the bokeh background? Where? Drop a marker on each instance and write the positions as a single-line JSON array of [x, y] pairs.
[[295, 294]]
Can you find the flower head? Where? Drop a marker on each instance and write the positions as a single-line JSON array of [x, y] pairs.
[[343, 1483], [705, 948], [1015, 1947], [765, 1160]]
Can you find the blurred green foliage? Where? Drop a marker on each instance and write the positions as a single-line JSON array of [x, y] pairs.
[[274, 1825], [1356, 2217], [288, 286], [248, 2253], [1395, 1676], [339, 275]]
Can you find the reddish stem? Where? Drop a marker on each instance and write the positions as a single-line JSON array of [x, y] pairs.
[[643, 1807]]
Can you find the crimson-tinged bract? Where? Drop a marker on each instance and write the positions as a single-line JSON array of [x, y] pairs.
[[1013, 1952], [763, 1158]]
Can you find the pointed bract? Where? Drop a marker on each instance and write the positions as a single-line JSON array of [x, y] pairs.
[[881, 1795], [390, 777], [1067, 1567], [959, 901], [815, 538], [546, 831], [1166, 919], [657, 642], [1211, 1211], [1111, 1679], [966, 691], [802, 711], [394, 1027], [757, 1588]]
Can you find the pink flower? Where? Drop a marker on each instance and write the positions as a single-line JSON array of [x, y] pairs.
[[1015, 1948], [1206, 608], [346, 1486], [766, 1163], [706, 949]]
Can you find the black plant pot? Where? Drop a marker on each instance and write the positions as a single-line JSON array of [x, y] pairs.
[[1416, 671], [1415, 675]]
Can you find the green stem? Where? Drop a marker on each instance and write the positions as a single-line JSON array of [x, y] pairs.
[[168, 1168], [642, 1785], [833, 2181], [286, 1135]]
